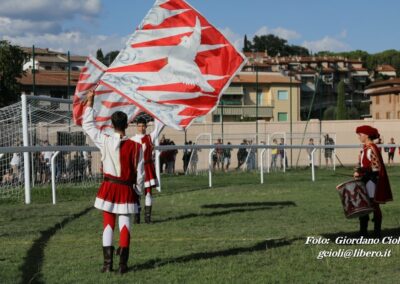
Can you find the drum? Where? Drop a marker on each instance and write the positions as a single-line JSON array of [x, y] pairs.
[[354, 197]]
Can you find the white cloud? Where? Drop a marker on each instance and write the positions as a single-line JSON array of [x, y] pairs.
[[326, 43], [40, 23], [13, 27], [40, 10], [76, 42], [279, 31], [236, 39]]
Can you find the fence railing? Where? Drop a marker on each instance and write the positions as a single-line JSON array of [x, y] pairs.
[[79, 170]]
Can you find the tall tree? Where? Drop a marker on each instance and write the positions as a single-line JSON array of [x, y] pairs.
[[246, 44], [11, 68], [100, 55], [341, 109], [109, 58]]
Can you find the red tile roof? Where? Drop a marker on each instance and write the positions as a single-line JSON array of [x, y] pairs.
[[385, 68], [381, 83], [49, 78], [384, 91]]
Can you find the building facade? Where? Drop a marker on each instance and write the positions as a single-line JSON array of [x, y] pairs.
[[319, 77], [385, 99], [275, 97]]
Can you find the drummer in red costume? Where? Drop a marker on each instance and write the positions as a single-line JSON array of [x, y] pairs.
[[373, 172], [123, 169], [151, 181]]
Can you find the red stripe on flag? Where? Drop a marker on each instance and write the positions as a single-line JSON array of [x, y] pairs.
[[103, 92], [193, 112], [175, 5], [187, 19], [129, 99], [185, 122], [178, 87], [84, 77], [166, 41], [150, 66], [96, 65], [81, 87], [200, 102], [102, 118], [108, 104], [222, 61]]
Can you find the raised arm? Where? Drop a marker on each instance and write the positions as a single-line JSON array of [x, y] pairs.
[[158, 127], [89, 125]]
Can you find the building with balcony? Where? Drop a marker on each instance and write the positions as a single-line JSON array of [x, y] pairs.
[[49, 60], [319, 77], [49, 83], [385, 98], [385, 71], [276, 96]]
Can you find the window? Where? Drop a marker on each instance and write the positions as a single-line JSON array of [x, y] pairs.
[[377, 115], [283, 95], [216, 118], [47, 67], [377, 100], [390, 99], [282, 116], [388, 115], [398, 114]]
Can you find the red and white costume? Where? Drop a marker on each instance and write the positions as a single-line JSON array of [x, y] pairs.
[[123, 169], [147, 142], [122, 160]]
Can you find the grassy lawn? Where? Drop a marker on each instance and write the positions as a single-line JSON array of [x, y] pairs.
[[237, 232]]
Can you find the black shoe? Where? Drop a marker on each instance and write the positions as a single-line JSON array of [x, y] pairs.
[[123, 259], [147, 214], [136, 218], [108, 253]]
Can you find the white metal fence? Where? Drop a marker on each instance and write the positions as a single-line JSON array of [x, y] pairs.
[[84, 174]]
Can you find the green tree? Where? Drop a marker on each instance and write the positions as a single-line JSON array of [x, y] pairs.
[[330, 113], [11, 68], [109, 58], [270, 43], [276, 46], [354, 113], [100, 55], [246, 44], [341, 110]]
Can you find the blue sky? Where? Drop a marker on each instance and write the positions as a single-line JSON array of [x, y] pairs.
[[82, 26]]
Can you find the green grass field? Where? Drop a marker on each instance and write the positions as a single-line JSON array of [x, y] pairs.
[[237, 232]]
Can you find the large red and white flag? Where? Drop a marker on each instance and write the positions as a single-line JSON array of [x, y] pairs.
[[106, 102], [175, 66]]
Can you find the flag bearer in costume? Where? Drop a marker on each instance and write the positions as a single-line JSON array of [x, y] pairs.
[[151, 182], [373, 172], [123, 169]]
